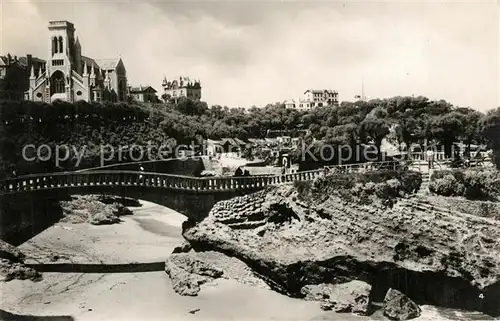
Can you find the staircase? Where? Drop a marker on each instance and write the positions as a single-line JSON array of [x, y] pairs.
[[424, 187]]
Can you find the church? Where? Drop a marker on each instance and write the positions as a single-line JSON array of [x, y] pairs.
[[69, 76]]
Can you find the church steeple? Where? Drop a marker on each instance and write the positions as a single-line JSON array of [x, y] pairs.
[[92, 72], [32, 74], [85, 73]]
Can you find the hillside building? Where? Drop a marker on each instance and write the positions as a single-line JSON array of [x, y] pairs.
[[313, 98], [145, 94], [182, 87]]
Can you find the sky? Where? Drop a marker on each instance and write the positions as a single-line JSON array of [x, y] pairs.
[[254, 52]]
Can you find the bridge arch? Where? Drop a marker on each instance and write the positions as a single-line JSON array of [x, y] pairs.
[[191, 196]]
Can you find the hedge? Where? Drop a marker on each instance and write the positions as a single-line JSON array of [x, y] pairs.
[[469, 183], [362, 187]]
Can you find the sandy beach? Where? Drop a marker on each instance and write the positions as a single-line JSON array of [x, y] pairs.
[[148, 236]]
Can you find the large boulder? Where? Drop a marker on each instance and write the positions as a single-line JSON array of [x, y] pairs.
[[11, 264], [93, 209], [10, 252], [14, 270], [399, 307], [351, 296], [292, 240], [188, 273], [185, 247]]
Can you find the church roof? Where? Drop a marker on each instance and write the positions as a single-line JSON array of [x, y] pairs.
[[24, 60], [108, 63], [90, 62], [3, 61]]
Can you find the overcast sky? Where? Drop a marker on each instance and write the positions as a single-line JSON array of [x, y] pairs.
[[253, 53]]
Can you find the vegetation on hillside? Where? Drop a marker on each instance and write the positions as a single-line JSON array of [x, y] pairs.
[[414, 120], [489, 127], [473, 184], [386, 185]]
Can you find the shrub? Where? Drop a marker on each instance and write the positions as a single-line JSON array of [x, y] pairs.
[[447, 185], [473, 184], [370, 187], [362, 187], [302, 187], [410, 181]]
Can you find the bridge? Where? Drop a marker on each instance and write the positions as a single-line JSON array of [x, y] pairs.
[[192, 196]]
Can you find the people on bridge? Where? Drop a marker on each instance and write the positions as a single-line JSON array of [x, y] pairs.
[[238, 172]]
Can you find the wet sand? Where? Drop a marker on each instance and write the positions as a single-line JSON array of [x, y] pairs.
[[147, 236]]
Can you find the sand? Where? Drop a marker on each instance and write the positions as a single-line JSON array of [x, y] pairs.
[[146, 237]]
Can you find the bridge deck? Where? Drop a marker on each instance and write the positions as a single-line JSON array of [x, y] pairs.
[[103, 178]]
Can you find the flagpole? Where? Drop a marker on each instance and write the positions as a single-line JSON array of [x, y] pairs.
[[362, 90]]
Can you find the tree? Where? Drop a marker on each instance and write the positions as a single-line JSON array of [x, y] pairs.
[[374, 129], [470, 127], [489, 127], [446, 129], [343, 135]]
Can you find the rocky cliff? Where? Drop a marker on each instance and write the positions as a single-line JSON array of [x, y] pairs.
[[294, 240]]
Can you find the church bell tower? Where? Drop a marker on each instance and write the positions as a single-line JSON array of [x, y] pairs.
[[61, 59]]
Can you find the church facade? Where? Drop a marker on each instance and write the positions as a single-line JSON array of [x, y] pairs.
[[69, 76]]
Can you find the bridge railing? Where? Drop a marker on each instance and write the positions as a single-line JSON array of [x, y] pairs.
[[144, 179], [368, 166], [179, 182]]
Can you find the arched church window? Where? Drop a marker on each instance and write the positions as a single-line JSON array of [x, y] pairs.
[[60, 44], [54, 45], [57, 83]]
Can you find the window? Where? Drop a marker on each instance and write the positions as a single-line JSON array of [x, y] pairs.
[[54, 45], [79, 93], [58, 62], [57, 83], [39, 95], [60, 44]]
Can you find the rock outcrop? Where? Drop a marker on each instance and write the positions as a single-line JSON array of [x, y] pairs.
[[185, 247], [399, 307], [93, 209], [11, 265], [292, 240], [10, 252], [351, 296], [188, 273]]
